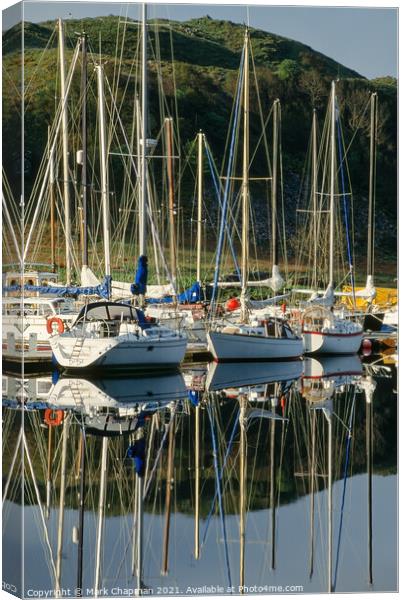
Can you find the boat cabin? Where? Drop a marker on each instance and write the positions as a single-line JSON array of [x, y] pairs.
[[37, 307], [16, 280], [112, 312]]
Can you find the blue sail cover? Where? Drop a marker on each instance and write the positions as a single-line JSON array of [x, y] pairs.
[[194, 397], [103, 290], [189, 296], [140, 284], [137, 452]]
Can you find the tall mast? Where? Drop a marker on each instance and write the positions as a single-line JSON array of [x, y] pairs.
[[200, 200], [197, 476], [332, 188], [243, 444], [274, 182], [84, 143], [372, 177], [81, 513], [101, 510], [143, 145], [169, 477], [51, 159], [314, 192], [103, 164], [61, 505], [168, 125], [312, 481], [272, 493], [245, 186], [66, 192], [369, 461], [328, 415]]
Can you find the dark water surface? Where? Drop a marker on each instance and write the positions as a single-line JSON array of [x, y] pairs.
[[312, 445]]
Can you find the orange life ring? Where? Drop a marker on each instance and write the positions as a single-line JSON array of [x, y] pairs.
[[53, 417], [60, 324]]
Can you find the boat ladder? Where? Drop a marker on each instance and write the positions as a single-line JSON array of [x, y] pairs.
[[75, 392], [76, 352]]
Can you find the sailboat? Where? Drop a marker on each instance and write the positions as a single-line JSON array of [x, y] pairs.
[[323, 332], [251, 339], [113, 334]]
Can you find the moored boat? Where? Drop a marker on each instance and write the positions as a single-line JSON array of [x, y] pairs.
[[323, 333], [115, 335]]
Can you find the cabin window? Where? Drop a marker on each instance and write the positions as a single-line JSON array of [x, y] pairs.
[[44, 387], [120, 312]]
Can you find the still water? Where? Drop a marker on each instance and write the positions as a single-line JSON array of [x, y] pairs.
[[263, 478]]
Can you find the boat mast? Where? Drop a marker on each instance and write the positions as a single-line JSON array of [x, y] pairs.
[[49, 472], [197, 475], [272, 491], [200, 200], [61, 504], [332, 189], [101, 510], [277, 280], [168, 126], [169, 477], [139, 524], [243, 445], [66, 191], [314, 193], [143, 144], [312, 480], [81, 513], [84, 148], [369, 460], [372, 180], [328, 415], [274, 182], [51, 160], [245, 186], [104, 175]]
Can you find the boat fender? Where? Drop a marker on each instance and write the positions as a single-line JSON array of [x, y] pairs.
[[367, 347], [232, 304], [283, 404], [53, 417], [58, 321]]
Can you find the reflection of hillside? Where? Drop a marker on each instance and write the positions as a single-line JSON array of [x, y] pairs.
[[291, 474]]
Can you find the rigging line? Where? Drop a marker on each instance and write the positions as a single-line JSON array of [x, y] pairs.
[[147, 486], [226, 191], [149, 209], [346, 217], [221, 475], [347, 453], [38, 496], [215, 183], [284, 238], [219, 493], [52, 150]]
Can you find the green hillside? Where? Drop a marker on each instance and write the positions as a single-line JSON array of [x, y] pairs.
[[196, 63]]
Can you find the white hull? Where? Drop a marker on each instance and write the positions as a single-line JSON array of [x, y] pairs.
[[148, 393], [391, 317], [233, 375], [234, 346], [332, 343], [123, 351], [25, 337], [332, 366]]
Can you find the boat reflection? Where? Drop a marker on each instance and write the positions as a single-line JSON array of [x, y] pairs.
[[128, 479]]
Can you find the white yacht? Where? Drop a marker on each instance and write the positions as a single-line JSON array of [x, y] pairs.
[[117, 335]]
